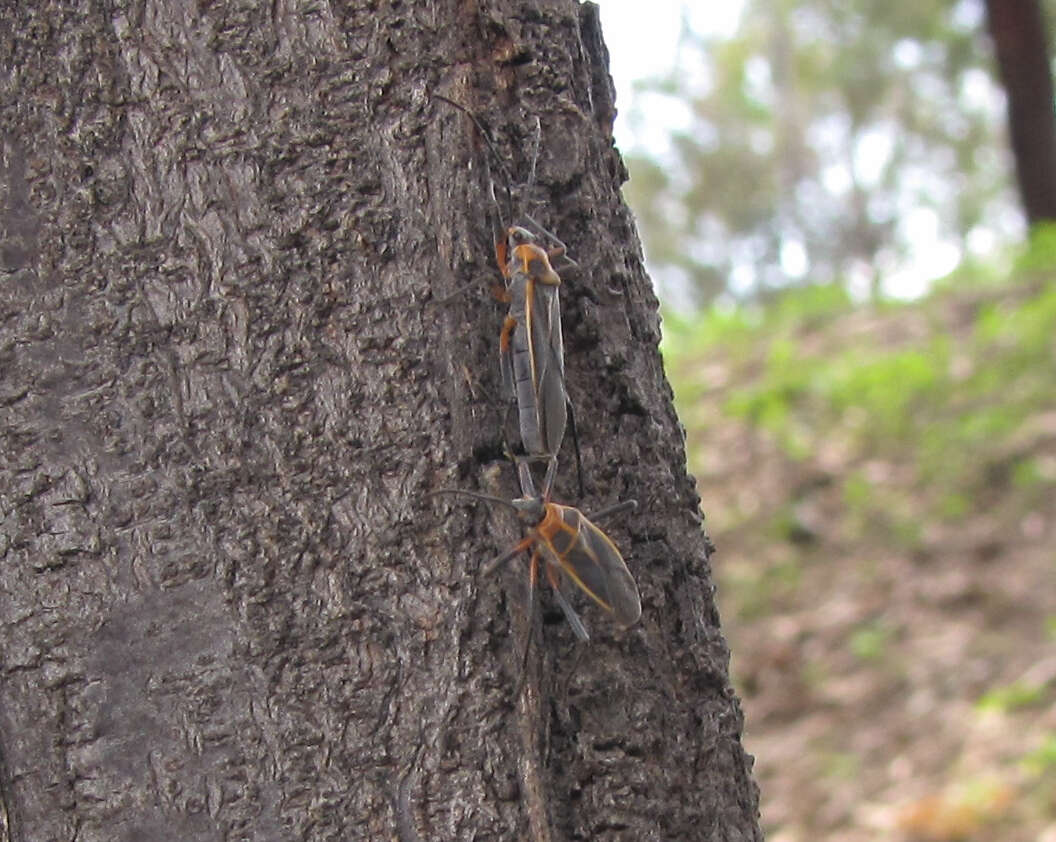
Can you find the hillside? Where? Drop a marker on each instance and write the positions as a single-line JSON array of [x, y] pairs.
[[881, 485]]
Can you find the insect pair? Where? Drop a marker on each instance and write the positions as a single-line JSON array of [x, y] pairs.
[[531, 356], [570, 544], [531, 346]]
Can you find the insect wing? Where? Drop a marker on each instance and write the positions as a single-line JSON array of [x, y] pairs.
[[548, 356], [518, 366], [531, 347], [591, 560]]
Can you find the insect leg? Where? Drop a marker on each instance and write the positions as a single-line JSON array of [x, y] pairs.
[[566, 608], [560, 250], [509, 325], [575, 445], [498, 232], [549, 477], [533, 574], [496, 563], [524, 476]]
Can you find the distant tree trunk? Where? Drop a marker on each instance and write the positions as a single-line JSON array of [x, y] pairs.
[[1019, 33], [228, 377]]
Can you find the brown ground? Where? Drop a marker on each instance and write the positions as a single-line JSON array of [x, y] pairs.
[[897, 668]]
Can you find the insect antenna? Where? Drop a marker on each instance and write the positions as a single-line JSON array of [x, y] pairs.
[[476, 495], [537, 141], [564, 249], [484, 133], [615, 509]]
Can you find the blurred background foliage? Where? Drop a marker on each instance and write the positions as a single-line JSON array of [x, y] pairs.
[[875, 450], [821, 143]]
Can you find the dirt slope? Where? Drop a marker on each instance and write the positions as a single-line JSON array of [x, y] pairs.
[[881, 486]]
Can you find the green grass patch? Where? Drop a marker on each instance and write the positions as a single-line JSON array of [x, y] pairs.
[[1026, 474], [1050, 627], [1042, 760], [840, 765], [857, 492], [870, 641], [1015, 696], [756, 591], [945, 404]]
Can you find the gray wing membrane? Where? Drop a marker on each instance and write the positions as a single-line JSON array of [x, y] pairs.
[[533, 370], [549, 357], [591, 560]]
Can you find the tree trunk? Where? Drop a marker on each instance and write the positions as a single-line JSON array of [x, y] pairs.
[[230, 371], [1020, 42]]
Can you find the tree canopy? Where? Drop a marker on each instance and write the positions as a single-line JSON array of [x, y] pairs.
[[826, 141]]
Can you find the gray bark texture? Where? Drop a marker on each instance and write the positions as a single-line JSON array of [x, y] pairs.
[[232, 365]]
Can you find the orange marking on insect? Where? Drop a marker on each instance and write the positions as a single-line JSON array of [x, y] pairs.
[[587, 556], [508, 327]]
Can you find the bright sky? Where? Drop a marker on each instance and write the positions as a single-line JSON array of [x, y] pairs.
[[643, 45]]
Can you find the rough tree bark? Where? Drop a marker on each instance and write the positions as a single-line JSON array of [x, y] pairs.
[[228, 379], [1021, 45]]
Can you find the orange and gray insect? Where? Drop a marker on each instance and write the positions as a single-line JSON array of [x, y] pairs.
[[531, 348], [571, 545]]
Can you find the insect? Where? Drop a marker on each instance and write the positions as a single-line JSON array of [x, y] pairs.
[[531, 353], [531, 347], [571, 545]]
